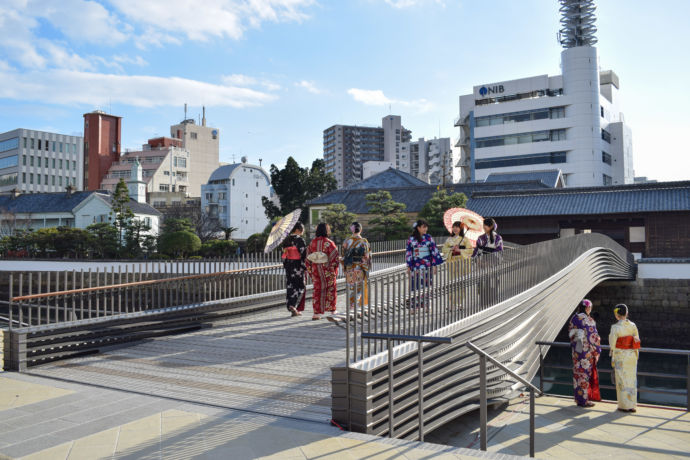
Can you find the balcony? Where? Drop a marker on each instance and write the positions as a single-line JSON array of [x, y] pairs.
[[460, 121]]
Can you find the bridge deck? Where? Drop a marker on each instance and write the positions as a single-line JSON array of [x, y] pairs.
[[266, 362]]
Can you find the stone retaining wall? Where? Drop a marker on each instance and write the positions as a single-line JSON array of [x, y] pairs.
[[659, 307]]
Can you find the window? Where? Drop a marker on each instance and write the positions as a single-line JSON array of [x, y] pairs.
[[31, 161], [24, 160], [166, 173], [557, 112], [606, 158], [59, 164], [38, 161], [23, 178], [179, 161], [164, 187], [31, 178], [8, 162], [8, 179], [233, 182], [221, 195], [74, 148], [607, 179], [605, 135], [9, 144], [522, 138], [53, 144], [25, 142], [558, 134], [521, 160], [53, 163], [257, 183], [60, 147], [60, 181], [209, 196], [193, 135], [32, 142], [74, 165], [47, 142], [45, 179], [53, 180], [39, 144]]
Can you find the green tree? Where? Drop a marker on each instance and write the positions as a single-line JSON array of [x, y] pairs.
[[102, 239], [179, 244], [71, 242], [294, 186], [122, 212], [138, 240], [339, 219], [390, 221], [228, 231], [434, 209], [218, 248]]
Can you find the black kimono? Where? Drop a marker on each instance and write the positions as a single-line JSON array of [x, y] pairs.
[[295, 270]]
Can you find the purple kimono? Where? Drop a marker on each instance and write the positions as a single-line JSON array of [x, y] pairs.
[[586, 346], [421, 256]]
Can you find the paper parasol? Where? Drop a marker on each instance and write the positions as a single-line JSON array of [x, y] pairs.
[[473, 221], [281, 230]]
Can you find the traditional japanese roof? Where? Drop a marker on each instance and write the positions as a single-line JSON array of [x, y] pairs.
[[414, 198], [617, 199], [47, 203], [390, 178], [553, 178]]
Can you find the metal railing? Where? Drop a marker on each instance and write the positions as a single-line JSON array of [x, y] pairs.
[[483, 413], [659, 375], [418, 302], [53, 298]]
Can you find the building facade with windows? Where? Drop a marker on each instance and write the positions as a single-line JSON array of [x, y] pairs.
[[37, 161], [432, 160], [233, 197], [572, 122], [102, 146]]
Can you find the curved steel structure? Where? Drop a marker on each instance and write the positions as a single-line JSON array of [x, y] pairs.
[[507, 330], [577, 23]]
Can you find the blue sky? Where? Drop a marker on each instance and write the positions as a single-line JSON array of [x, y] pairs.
[[274, 73]]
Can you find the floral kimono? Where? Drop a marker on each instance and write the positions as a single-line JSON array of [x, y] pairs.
[[624, 341], [324, 274], [356, 262], [586, 346], [294, 255], [421, 256]]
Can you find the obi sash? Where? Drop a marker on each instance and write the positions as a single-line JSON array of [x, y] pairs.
[[422, 252], [291, 253], [627, 343]]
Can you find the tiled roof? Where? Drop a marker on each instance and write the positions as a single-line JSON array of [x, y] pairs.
[[390, 178], [549, 177], [40, 203], [618, 199], [414, 198]]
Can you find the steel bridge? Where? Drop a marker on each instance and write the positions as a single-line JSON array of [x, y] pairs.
[[224, 339]]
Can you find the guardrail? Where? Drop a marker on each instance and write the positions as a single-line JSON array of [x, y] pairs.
[[659, 375], [502, 304]]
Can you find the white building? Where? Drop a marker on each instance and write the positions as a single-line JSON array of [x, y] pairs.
[[572, 121], [233, 196], [432, 160], [38, 161], [371, 168]]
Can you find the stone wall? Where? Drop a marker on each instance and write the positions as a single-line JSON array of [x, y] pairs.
[[659, 307]]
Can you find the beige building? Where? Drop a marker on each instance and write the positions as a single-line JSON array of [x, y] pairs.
[[202, 143]]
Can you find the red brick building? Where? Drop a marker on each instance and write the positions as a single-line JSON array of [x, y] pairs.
[[102, 146]]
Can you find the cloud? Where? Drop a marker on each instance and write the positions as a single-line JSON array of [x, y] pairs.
[[63, 86], [376, 97], [124, 59], [213, 19], [246, 80], [309, 86], [410, 3]]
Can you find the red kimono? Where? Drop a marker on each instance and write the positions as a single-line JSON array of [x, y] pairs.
[[324, 274]]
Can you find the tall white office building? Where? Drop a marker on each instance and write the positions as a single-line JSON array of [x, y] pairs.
[[572, 122], [431, 160]]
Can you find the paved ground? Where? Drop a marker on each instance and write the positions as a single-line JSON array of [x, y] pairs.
[[566, 431], [45, 419]]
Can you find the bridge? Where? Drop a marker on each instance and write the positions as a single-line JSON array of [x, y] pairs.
[[224, 339]]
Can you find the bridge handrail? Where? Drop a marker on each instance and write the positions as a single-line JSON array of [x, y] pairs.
[[663, 351]]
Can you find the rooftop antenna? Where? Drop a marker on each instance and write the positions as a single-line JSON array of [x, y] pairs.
[[185, 111], [577, 23], [203, 119], [260, 160]]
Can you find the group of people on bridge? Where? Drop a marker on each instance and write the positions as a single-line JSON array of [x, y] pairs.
[[585, 342], [321, 259]]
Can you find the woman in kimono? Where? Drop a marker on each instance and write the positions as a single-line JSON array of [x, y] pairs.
[[625, 342], [490, 241], [294, 256], [421, 256], [456, 248], [586, 347], [322, 263], [356, 262]]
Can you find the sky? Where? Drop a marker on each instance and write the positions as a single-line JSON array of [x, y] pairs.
[[273, 74]]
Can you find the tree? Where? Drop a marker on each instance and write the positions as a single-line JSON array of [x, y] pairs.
[[138, 240], [103, 239], [218, 248], [257, 241], [123, 213], [228, 231], [179, 244], [70, 242], [294, 186], [390, 221], [439, 203], [339, 219]]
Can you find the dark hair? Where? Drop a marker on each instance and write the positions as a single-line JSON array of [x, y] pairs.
[[458, 224], [298, 226], [621, 309], [582, 306], [322, 229], [489, 222], [357, 227], [416, 233]]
